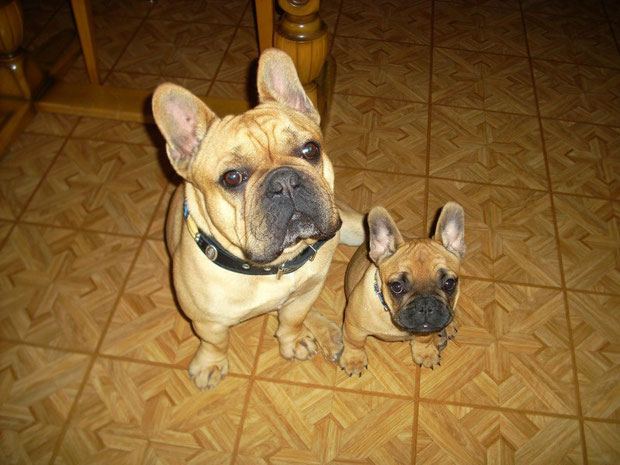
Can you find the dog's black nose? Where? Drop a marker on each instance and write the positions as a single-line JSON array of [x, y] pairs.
[[282, 181]]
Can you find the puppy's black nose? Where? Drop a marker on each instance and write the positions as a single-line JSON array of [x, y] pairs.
[[425, 306], [282, 181], [426, 314]]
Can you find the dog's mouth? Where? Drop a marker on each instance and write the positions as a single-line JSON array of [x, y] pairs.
[[296, 208]]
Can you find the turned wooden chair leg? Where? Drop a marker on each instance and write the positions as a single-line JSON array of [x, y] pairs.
[[20, 77], [303, 35]]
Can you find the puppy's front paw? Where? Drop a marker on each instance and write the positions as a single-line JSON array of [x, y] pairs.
[[425, 354], [445, 335], [205, 374], [353, 361], [303, 347]]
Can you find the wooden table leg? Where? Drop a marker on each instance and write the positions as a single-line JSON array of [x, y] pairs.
[[264, 23], [84, 21]]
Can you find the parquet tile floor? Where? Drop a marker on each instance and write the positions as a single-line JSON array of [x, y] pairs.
[[510, 107]]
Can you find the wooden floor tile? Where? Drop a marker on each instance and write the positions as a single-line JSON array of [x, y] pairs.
[[587, 8], [103, 186], [156, 231], [403, 196], [479, 28], [506, 4], [583, 158], [172, 48], [234, 90], [292, 424], [22, 168], [112, 37], [574, 39], [59, 286], [602, 440], [590, 242], [578, 92], [488, 147], [512, 350], [38, 389], [5, 228], [121, 8], [408, 21], [52, 124], [119, 131], [596, 325], [60, 25], [371, 133], [240, 61], [211, 11], [148, 325], [484, 81], [509, 232], [460, 435], [381, 69], [150, 81], [134, 413]]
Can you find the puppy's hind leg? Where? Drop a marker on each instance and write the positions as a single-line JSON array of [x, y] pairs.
[[210, 363]]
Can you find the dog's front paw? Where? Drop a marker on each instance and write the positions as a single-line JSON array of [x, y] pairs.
[[425, 354], [353, 361], [303, 347], [329, 340], [205, 374]]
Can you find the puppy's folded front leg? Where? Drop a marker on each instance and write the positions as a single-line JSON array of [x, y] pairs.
[[210, 362], [353, 359], [425, 351]]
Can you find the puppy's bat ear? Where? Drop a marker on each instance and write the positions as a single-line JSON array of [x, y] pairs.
[[183, 119], [385, 237], [450, 231], [277, 81]]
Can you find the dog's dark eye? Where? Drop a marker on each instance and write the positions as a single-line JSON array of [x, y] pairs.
[[396, 288], [311, 151], [449, 285], [232, 178]]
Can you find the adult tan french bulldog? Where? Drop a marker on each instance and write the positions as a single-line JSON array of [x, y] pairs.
[[399, 290], [253, 227]]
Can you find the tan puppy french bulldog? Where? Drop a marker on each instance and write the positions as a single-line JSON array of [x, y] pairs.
[[399, 290], [253, 227]]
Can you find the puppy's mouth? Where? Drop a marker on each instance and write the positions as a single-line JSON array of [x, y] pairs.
[[424, 315]]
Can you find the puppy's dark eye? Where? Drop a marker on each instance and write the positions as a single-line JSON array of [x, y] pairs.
[[449, 285], [396, 288], [232, 178], [311, 151]]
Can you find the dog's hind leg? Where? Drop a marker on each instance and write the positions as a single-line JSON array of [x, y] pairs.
[[352, 232], [327, 334]]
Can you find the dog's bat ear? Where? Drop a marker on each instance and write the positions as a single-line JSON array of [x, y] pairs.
[[183, 119], [277, 81], [385, 237], [450, 231]]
